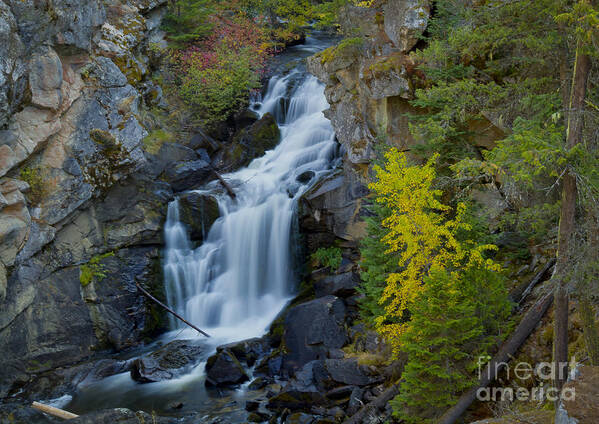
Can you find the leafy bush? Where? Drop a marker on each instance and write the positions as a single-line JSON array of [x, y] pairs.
[[329, 256], [93, 269], [222, 88]]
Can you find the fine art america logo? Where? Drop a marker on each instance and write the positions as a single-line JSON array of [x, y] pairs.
[[544, 372]]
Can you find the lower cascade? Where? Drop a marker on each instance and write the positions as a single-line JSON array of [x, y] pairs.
[[235, 283]]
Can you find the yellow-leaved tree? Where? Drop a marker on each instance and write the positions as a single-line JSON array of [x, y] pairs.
[[423, 233]]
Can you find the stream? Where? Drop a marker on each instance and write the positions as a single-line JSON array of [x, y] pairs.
[[240, 278]]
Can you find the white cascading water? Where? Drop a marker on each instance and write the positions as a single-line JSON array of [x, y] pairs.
[[236, 282]]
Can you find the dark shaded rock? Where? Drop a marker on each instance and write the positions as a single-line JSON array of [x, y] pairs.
[[299, 418], [249, 350], [252, 405], [245, 118], [330, 373], [223, 369], [257, 417], [175, 405], [165, 362], [296, 399], [119, 415], [269, 365], [305, 177], [198, 212], [258, 383], [355, 401], [249, 143], [342, 285], [311, 329], [188, 175], [201, 140], [342, 392], [332, 209]]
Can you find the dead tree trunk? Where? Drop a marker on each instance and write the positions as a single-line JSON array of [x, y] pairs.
[[567, 225], [379, 403], [176, 315], [489, 373]]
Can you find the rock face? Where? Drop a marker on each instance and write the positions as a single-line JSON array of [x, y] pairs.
[[579, 400], [81, 209], [198, 212]]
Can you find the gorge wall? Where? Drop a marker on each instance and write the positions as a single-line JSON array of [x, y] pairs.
[[81, 209]]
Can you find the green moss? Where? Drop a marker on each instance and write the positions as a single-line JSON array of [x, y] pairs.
[[156, 139], [93, 270], [34, 177], [346, 46]]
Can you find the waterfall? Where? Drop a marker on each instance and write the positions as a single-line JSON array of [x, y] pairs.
[[238, 280]]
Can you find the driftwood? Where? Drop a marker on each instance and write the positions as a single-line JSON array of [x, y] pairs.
[[145, 292], [225, 184], [524, 329], [372, 407], [541, 276], [50, 410]]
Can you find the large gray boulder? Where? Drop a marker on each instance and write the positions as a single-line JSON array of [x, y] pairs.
[[405, 21], [224, 369], [312, 330], [165, 363]]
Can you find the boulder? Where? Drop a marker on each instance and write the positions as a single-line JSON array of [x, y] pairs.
[[166, 362], [201, 140], [312, 329], [332, 209], [249, 143], [188, 175], [405, 21], [223, 369], [331, 373], [342, 285], [249, 350], [120, 416], [198, 212]]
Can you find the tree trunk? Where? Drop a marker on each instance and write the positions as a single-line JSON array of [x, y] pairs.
[[589, 328], [567, 225]]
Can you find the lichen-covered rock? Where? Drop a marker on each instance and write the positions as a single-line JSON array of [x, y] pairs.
[[405, 21]]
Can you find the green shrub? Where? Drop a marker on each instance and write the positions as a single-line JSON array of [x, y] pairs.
[[218, 91], [329, 256], [93, 270]]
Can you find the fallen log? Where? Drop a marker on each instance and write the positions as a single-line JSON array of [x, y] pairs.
[[540, 277], [179, 317], [507, 350], [225, 184], [371, 408], [56, 412]]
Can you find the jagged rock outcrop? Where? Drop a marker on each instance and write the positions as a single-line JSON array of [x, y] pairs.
[[81, 207]]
